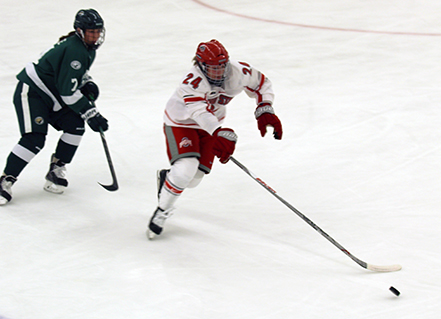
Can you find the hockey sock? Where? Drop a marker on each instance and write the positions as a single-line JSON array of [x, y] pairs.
[[67, 146], [181, 174], [22, 153]]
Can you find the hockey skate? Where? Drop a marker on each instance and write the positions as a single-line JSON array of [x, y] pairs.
[[157, 222], [55, 178], [162, 175], [6, 182]]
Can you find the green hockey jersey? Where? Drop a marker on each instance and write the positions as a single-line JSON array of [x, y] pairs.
[[59, 72]]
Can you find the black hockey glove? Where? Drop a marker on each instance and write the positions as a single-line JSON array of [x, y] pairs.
[[90, 91], [95, 119]]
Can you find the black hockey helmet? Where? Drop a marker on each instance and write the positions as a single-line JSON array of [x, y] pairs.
[[89, 19]]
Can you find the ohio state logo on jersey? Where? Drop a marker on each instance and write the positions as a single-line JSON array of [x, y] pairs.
[[185, 142]]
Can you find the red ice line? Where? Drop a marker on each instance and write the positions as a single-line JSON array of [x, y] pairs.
[[313, 26]]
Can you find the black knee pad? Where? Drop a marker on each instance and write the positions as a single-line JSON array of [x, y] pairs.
[[33, 141]]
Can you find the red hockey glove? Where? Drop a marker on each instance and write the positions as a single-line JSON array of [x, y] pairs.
[[224, 143], [265, 116]]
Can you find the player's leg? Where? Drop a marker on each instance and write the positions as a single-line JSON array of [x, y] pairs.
[[183, 152], [72, 126], [32, 115]]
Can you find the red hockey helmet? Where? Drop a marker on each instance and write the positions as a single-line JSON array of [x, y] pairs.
[[212, 58], [212, 52]]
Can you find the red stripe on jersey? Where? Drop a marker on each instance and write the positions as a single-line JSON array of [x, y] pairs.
[[257, 90], [193, 99]]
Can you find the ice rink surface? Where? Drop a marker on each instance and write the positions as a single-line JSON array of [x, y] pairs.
[[358, 90]]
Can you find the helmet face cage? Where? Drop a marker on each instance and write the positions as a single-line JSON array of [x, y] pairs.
[[90, 19], [212, 59], [215, 74]]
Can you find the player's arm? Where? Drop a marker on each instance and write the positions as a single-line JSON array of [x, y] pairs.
[[69, 80], [259, 87], [193, 91], [89, 88], [69, 85]]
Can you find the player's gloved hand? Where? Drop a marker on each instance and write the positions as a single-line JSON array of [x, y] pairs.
[[265, 116], [90, 91], [224, 143], [95, 119]]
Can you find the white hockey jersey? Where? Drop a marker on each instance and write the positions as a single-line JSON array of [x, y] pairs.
[[199, 105]]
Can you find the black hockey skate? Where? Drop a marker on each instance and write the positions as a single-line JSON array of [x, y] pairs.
[[157, 222], [162, 175], [6, 182], [55, 178]]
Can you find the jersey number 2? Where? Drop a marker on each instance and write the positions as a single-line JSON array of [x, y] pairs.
[[247, 69]]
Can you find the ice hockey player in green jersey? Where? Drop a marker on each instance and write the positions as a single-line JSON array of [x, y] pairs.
[[58, 91]]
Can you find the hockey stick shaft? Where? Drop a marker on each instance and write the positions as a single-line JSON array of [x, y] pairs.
[[114, 185], [313, 225]]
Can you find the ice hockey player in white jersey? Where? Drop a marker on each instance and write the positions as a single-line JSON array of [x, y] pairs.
[[193, 122]]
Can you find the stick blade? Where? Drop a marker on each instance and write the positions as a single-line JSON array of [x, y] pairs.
[[110, 188], [389, 268]]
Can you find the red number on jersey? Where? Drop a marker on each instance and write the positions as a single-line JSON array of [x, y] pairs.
[[246, 70], [194, 83]]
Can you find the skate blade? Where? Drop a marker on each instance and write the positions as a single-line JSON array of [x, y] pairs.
[[53, 188], [3, 201], [150, 234]]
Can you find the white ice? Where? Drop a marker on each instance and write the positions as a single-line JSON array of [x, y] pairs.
[[358, 91]]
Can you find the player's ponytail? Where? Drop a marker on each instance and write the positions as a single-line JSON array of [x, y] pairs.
[[71, 33]]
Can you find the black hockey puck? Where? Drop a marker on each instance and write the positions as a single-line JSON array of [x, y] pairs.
[[394, 291]]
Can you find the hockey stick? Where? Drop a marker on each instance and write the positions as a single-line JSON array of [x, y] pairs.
[[114, 185], [313, 225]]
